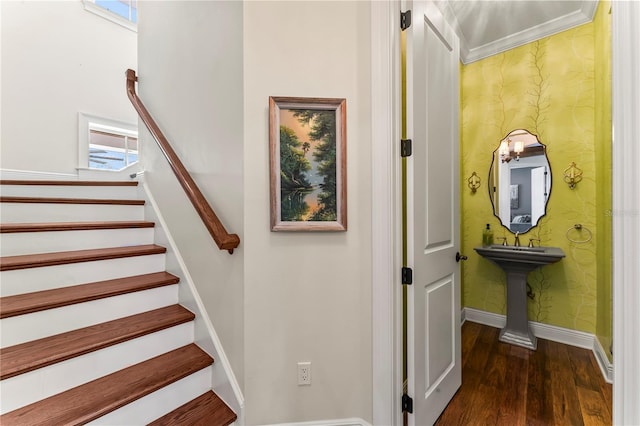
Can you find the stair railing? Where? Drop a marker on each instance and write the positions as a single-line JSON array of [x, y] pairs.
[[223, 239]]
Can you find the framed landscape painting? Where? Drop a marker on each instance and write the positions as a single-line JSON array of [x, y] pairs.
[[308, 157]]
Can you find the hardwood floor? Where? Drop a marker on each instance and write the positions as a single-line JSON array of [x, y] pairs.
[[504, 384]]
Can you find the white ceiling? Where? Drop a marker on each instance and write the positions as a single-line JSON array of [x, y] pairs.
[[487, 27]]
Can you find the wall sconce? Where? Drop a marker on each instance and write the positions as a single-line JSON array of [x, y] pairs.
[[474, 182], [572, 175], [518, 147], [505, 150]]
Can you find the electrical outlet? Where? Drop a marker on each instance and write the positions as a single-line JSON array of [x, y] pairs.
[[304, 373]]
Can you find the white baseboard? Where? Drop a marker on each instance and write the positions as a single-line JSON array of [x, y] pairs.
[[334, 422], [549, 332], [225, 383], [603, 361]]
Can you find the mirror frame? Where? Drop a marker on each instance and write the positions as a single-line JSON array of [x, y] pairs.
[[495, 156]]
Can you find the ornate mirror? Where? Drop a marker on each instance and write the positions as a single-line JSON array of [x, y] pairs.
[[520, 181]]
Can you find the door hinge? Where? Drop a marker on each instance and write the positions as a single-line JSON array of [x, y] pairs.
[[405, 147], [407, 275], [407, 403], [405, 20]]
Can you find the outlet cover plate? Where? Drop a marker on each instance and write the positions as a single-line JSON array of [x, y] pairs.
[[304, 373]]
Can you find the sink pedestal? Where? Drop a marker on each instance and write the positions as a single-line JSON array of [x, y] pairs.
[[517, 262], [517, 331]]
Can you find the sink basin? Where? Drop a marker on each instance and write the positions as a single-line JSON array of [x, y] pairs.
[[517, 262], [533, 256]]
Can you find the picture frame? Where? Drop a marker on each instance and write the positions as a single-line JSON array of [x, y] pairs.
[[307, 162]]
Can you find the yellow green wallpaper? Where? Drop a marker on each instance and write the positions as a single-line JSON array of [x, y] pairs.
[[602, 24], [554, 88]]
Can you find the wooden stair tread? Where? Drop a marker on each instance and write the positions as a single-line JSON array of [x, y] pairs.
[[7, 228], [60, 200], [8, 263], [206, 410], [101, 396], [27, 303], [29, 356], [68, 182]]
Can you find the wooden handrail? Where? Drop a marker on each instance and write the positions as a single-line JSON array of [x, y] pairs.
[[223, 239]]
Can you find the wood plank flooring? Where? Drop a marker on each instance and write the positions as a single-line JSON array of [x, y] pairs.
[[504, 384]]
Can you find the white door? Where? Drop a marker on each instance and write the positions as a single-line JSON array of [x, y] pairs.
[[434, 353], [538, 192]]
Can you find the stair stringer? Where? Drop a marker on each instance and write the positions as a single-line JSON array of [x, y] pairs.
[[223, 380]]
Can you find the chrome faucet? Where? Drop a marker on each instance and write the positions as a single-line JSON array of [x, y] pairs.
[[516, 243]]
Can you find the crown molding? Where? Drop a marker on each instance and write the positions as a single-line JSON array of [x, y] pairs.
[[554, 26]]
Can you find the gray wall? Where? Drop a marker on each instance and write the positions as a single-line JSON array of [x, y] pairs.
[[522, 177], [191, 80]]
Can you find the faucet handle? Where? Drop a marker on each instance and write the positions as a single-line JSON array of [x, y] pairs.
[[531, 240], [504, 240]]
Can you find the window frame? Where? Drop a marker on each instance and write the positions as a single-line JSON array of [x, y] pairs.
[[91, 6], [88, 122]]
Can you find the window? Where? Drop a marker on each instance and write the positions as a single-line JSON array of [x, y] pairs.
[[106, 144], [122, 12], [128, 9], [110, 150]]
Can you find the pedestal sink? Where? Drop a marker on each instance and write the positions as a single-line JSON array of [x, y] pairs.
[[517, 262]]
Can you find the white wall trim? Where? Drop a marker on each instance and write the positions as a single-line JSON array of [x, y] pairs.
[[626, 211], [335, 422], [549, 332], [603, 361], [543, 331], [219, 355], [386, 308]]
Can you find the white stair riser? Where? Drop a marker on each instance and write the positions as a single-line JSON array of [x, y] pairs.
[[47, 242], [159, 403], [55, 212], [59, 191], [49, 277], [35, 385], [47, 381], [24, 328]]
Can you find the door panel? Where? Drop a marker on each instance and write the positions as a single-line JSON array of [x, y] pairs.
[[439, 325], [439, 161], [434, 352]]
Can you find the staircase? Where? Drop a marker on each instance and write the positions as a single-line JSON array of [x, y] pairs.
[[92, 331]]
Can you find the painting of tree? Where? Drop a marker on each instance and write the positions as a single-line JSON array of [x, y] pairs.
[[308, 156], [323, 130], [293, 179]]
